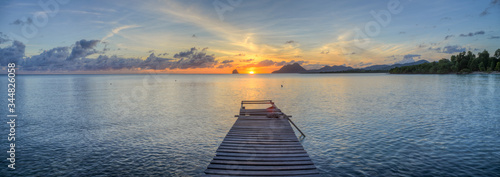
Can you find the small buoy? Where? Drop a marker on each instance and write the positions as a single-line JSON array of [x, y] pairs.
[[281, 85]]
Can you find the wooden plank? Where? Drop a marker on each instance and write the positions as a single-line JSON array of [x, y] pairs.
[[256, 133], [261, 148], [230, 162], [261, 145], [263, 138], [270, 133], [261, 167], [260, 140], [260, 155], [258, 151], [261, 135], [290, 136], [256, 159], [261, 173]]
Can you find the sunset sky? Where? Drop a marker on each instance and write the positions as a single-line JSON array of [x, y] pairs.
[[188, 36]]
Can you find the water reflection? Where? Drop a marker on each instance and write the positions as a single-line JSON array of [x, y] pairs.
[[356, 124]]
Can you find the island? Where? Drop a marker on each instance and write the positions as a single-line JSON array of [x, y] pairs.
[[293, 68], [235, 71], [296, 68]]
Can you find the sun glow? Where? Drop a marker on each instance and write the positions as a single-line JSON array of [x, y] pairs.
[[251, 72]]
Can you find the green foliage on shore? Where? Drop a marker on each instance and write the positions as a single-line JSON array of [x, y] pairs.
[[464, 62]]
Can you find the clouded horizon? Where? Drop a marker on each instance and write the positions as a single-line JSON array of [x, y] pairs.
[[219, 36]]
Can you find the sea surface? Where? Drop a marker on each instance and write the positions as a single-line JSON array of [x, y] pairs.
[[171, 125]]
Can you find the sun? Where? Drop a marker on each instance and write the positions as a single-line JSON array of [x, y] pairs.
[[251, 72]]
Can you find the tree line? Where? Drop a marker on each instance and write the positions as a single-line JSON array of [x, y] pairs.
[[464, 62]]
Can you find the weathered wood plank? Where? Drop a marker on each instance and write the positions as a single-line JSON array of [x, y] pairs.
[[260, 148], [255, 151], [261, 167], [260, 140], [230, 162], [260, 145], [263, 145], [291, 136], [256, 159], [261, 173], [260, 155]]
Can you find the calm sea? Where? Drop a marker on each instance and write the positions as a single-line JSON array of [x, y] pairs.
[[171, 125]]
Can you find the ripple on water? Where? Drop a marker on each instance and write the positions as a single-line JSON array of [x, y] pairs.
[[356, 125]]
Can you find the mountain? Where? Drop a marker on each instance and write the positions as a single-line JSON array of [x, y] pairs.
[[235, 71], [293, 68], [388, 67], [296, 68], [334, 68]]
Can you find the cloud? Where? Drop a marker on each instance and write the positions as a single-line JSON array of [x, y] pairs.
[[117, 30], [402, 32], [155, 62], [82, 49], [492, 4], [364, 64], [193, 59], [325, 52], [22, 22], [12, 53], [448, 37], [390, 58], [73, 58], [48, 60], [449, 49], [290, 42], [437, 49], [249, 60], [452, 49], [408, 58], [3, 38], [472, 34], [226, 63], [265, 63], [313, 66], [494, 37], [445, 18], [352, 53]]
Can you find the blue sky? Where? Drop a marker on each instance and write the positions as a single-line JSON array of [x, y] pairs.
[[261, 35]]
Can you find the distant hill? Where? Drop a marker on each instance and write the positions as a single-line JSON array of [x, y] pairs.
[[235, 71], [334, 68], [388, 67], [296, 68], [293, 68]]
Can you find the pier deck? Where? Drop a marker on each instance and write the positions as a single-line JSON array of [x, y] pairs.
[[261, 143]]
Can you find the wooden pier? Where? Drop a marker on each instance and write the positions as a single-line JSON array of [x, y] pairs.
[[261, 143]]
